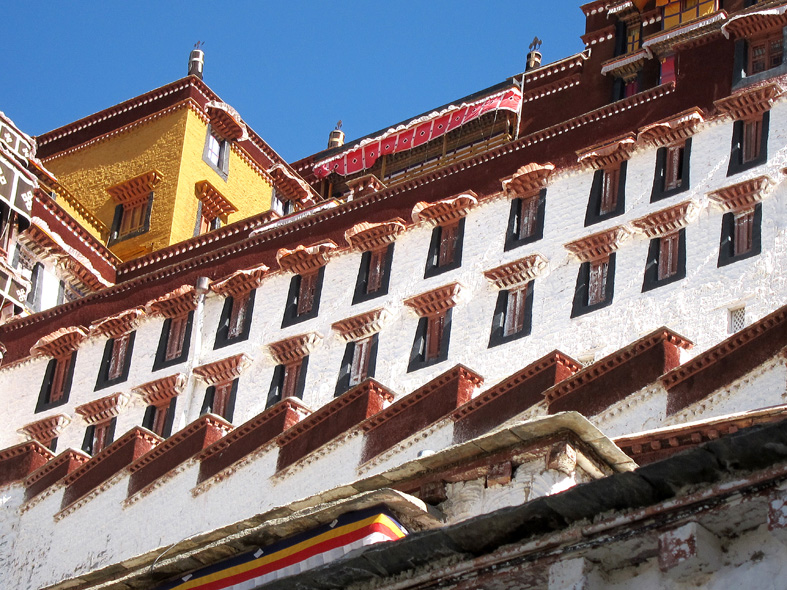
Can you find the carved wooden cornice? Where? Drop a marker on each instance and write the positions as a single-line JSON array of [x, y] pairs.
[[176, 303], [743, 195], [225, 120], [47, 429], [666, 221], [103, 409], [361, 326], [626, 67], [365, 185], [673, 129], [291, 185], [751, 102], [240, 282], [608, 153], [160, 391], [214, 204], [373, 236], [528, 180], [117, 325], [599, 245], [135, 190], [224, 370], [305, 259], [436, 301], [292, 350], [516, 273], [445, 211], [59, 343], [761, 19]]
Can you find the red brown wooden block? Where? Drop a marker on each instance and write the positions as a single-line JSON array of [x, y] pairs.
[[511, 396], [333, 419], [249, 437], [421, 408], [53, 471], [121, 453], [618, 375], [176, 450], [19, 461]]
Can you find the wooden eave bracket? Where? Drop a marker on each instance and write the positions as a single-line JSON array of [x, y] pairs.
[[608, 153], [117, 325], [214, 204], [160, 391], [46, 429], [626, 66], [445, 211], [673, 129], [694, 32], [59, 343], [436, 301], [758, 20], [305, 259], [365, 185], [226, 121], [373, 236], [528, 180], [666, 221], [750, 102], [240, 282], [103, 409], [224, 370], [516, 273], [743, 195], [176, 303], [292, 185], [292, 350], [599, 245], [361, 326], [131, 192]]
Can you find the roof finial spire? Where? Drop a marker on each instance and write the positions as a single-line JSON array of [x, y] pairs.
[[534, 57]]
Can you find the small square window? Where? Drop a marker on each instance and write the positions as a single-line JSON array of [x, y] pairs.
[[431, 341], [741, 233], [358, 363], [526, 220], [513, 314], [288, 381], [173, 347], [445, 249], [57, 382], [116, 361], [220, 399], [303, 299], [235, 321], [607, 194], [736, 319], [374, 274]]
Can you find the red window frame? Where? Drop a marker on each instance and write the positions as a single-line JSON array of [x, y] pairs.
[[765, 53], [610, 188], [515, 311], [176, 337], [743, 232], [751, 139], [376, 269], [117, 359], [237, 318], [306, 292], [668, 255], [359, 368], [528, 216], [673, 167], [597, 281], [446, 252]]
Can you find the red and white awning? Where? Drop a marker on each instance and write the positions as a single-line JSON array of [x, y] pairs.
[[416, 132]]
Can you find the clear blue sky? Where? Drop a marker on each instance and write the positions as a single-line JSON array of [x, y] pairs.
[[291, 72]]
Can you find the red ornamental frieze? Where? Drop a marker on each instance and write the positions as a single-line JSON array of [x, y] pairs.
[[60, 343], [672, 130], [597, 246], [305, 259], [365, 185], [214, 204], [361, 326], [751, 102], [44, 431], [666, 221], [175, 303], [761, 21], [135, 190], [292, 350], [436, 301], [226, 121], [224, 370], [103, 409], [446, 210], [240, 282], [516, 273], [117, 325], [160, 391], [608, 153], [743, 195], [373, 236], [528, 179]]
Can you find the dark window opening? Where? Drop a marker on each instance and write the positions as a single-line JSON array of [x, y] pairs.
[[445, 249], [99, 436], [159, 418], [430, 345], [131, 220], [526, 220], [235, 321], [303, 299], [595, 286], [288, 381], [513, 315], [57, 382], [217, 154], [765, 53], [116, 362], [173, 346], [220, 399], [672, 171], [358, 363], [741, 235], [749, 144], [607, 194], [666, 262], [374, 274]]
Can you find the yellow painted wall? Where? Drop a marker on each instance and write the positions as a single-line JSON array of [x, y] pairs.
[[674, 16]]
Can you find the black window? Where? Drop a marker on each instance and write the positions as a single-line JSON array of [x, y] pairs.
[[57, 382], [99, 436], [220, 399], [235, 320], [303, 299], [173, 346], [445, 249], [116, 362], [749, 143], [159, 419], [607, 194], [595, 286], [672, 171], [526, 220], [666, 261], [288, 381], [358, 363], [374, 274], [36, 287], [740, 235], [513, 315], [430, 345]]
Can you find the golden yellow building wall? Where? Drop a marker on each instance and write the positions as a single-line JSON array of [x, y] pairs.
[[244, 187]]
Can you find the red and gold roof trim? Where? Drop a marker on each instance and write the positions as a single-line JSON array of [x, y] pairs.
[[759, 20], [59, 343], [751, 102], [135, 190], [117, 325], [160, 391], [47, 429], [226, 121], [608, 153], [175, 303], [528, 179], [673, 129]]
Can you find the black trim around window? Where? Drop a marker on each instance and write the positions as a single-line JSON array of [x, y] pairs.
[[593, 214], [496, 337], [160, 362], [207, 402], [222, 333], [360, 294], [514, 220], [89, 439], [150, 416], [726, 245], [103, 380], [291, 309], [737, 164], [277, 383], [651, 280], [46, 386], [343, 383], [418, 351], [433, 259], [580, 305], [223, 168], [660, 177]]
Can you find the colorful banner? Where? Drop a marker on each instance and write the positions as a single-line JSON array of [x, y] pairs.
[[295, 554], [416, 133]]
